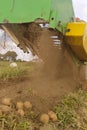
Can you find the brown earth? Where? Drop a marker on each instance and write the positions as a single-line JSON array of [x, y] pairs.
[[53, 79]]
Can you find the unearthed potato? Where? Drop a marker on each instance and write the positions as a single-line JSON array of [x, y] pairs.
[[20, 112], [5, 109], [27, 104], [52, 116], [6, 101], [19, 105], [44, 118]]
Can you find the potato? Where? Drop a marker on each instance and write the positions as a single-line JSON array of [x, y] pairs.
[[27, 104], [44, 118], [19, 105], [20, 112], [6, 101], [52, 116], [5, 109]]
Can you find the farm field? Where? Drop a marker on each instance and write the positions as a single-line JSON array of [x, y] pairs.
[[29, 82]]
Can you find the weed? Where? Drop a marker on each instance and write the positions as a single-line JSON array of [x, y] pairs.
[[69, 109]]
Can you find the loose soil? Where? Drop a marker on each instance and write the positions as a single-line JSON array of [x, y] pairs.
[[55, 77]]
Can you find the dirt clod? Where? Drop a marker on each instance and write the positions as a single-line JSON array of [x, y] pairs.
[[5, 109]]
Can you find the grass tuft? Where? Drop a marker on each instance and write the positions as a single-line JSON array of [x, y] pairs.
[[23, 69], [70, 111]]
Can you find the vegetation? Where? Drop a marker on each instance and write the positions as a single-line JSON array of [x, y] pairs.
[[23, 69], [72, 112], [9, 56], [11, 120]]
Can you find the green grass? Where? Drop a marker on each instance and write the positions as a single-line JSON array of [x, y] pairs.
[[23, 69], [72, 112], [15, 122]]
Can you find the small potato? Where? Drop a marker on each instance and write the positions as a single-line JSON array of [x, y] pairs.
[[6, 101], [19, 105], [44, 118], [20, 112], [5, 109], [52, 116], [27, 105]]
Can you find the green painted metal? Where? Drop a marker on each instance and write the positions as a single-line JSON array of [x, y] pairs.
[[21, 11], [62, 12], [57, 12]]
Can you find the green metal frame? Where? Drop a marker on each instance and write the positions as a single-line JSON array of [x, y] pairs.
[[63, 13], [57, 12]]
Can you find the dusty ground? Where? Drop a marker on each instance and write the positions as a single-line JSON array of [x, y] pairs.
[[49, 82], [43, 93]]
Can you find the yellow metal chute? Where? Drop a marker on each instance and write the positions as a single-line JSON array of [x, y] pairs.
[[76, 37]]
